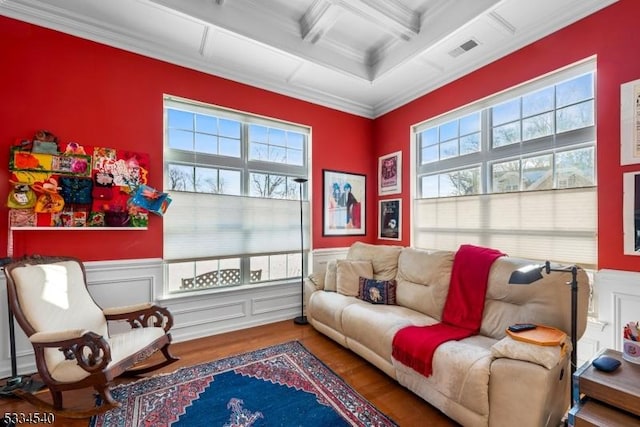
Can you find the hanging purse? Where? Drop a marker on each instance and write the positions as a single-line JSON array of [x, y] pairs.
[[103, 186], [76, 190], [22, 218], [150, 199], [116, 218], [49, 201], [21, 196]]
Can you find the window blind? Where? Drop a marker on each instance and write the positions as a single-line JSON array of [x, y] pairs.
[[201, 226], [556, 225]]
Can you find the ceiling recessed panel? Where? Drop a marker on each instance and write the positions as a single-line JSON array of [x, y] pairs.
[[369, 37], [141, 19], [232, 52]]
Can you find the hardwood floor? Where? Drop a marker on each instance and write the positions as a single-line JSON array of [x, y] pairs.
[[386, 394]]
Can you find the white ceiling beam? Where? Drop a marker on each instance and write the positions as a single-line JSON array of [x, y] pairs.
[[502, 24], [317, 20], [391, 15], [438, 24]]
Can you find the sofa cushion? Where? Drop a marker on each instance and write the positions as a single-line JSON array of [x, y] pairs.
[[374, 325], [384, 258], [377, 291], [348, 274], [327, 308], [423, 280]]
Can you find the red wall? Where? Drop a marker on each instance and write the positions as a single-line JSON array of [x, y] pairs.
[[100, 96], [613, 35]]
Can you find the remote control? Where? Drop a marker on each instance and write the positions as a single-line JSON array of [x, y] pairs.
[[519, 327]]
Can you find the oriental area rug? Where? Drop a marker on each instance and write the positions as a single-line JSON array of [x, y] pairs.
[[283, 385]]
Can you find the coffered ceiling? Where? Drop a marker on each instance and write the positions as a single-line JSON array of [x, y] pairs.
[[366, 57]]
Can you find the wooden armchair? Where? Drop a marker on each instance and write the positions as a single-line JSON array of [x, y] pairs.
[[69, 332]]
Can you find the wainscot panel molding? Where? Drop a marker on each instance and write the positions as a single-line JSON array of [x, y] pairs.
[[231, 309], [125, 282], [592, 340], [618, 302], [320, 257]]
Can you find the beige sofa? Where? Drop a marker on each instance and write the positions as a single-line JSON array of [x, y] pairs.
[[485, 380]]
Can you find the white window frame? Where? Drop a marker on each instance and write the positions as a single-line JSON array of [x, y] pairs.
[[222, 219], [464, 219]]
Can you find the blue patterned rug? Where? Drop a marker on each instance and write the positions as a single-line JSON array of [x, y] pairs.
[[283, 385]]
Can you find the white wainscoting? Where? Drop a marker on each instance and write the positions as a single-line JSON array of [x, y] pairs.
[[618, 302], [117, 283], [322, 256], [125, 282]]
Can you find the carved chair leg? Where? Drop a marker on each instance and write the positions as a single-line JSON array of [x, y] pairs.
[[56, 395], [167, 354], [108, 401]]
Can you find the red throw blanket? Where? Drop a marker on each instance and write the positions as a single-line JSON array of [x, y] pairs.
[[462, 314]]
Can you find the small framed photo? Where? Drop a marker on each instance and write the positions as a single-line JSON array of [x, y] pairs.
[[343, 203], [390, 174], [389, 219], [631, 213], [630, 123]]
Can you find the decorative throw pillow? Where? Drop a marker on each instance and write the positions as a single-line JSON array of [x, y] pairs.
[[378, 291], [330, 276], [348, 274]]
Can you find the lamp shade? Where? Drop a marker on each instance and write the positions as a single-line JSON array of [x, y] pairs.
[[526, 275]]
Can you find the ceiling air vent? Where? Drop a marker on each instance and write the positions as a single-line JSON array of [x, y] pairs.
[[464, 47]]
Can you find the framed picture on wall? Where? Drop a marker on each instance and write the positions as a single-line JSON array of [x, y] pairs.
[[343, 203], [631, 213], [390, 174], [390, 219], [630, 123]]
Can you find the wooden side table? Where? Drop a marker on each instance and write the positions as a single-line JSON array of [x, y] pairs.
[[608, 398]]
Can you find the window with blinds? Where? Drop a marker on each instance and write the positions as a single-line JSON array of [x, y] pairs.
[[236, 211], [515, 171]]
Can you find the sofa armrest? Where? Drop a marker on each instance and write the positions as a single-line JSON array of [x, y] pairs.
[[543, 355], [526, 394]]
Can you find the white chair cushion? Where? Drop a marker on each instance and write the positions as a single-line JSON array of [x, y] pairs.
[[122, 345]]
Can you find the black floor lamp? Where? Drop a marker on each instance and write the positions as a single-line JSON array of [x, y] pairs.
[[302, 319], [529, 274]]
